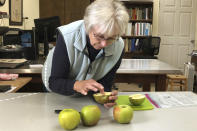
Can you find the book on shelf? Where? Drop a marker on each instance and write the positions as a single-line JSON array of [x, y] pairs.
[[132, 45], [139, 14], [129, 29], [126, 47]]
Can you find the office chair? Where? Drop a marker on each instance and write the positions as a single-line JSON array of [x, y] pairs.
[[149, 48], [155, 45]]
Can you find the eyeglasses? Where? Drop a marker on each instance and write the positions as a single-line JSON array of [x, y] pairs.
[[102, 38]]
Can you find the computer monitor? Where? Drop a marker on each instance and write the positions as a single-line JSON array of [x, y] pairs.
[[46, 31], [28, 43]]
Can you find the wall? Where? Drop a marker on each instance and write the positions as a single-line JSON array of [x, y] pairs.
[[30, 10], [155, 17]]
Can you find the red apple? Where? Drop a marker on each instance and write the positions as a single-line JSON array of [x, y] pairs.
[[123, 114], [69, 119], [90, 115]]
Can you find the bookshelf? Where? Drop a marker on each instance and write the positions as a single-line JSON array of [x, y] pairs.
[[139, 27]]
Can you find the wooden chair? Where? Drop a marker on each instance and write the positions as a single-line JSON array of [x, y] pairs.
[[176, 80]]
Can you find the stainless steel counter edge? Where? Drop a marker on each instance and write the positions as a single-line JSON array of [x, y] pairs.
[[22, 71]]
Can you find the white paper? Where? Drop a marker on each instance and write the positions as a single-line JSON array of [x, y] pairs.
[[174, 99]]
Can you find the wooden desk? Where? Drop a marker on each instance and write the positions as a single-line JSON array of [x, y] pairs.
[[18, 83], [145, 72]]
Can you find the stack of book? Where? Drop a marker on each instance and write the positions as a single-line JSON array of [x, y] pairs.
[[140, 13], [139, 29]]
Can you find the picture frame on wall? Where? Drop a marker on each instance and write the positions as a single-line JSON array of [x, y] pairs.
[[16, 12]]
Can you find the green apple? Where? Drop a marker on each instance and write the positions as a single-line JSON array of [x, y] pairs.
[[102, 98], [123, 114], [69, 119], [90, 115], [137, 99]]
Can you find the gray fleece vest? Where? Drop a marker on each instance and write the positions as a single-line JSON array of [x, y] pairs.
[[81, 68]]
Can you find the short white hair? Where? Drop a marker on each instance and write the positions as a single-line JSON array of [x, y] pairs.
[[110, 16]]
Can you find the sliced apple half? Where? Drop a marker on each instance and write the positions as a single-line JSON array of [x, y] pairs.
[[137, 99], [102, 98]]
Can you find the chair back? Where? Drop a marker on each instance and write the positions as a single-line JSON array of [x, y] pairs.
[[150, 46], [155, 44]]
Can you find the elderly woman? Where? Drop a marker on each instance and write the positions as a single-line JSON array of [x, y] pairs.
[[88, 52]]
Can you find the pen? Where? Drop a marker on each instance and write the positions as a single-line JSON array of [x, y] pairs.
[[57, 111]]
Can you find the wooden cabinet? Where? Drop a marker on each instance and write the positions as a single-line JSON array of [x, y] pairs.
[[67, 10], [139, 27]]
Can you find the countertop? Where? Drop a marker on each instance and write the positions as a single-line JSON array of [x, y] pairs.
[[146, 66], [25, 69], [35, 112]]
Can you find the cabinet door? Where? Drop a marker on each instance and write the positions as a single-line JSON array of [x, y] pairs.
[[74, 10], [50, 8]]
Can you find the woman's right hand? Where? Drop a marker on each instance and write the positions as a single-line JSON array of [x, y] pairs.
[[88, 85]]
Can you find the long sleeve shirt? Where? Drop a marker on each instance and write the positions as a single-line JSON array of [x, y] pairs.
[[59, 80]]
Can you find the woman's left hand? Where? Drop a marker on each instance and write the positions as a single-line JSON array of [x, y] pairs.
[[112, 98]]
